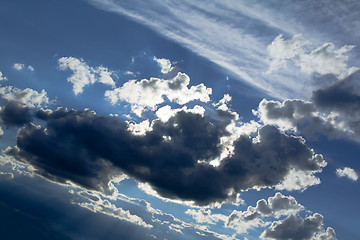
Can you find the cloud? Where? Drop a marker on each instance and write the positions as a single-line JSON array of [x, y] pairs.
[[17, 109], [108, 208], [295, 227], [14, 114], [233, 35], [173, 158], [2, 77], [205, 216], [298, 180], [348, 173], [334, 111], [276, 206], [322, 60], [83, 74], [165, 65], [26, 97], [147, 94], [21, 66]]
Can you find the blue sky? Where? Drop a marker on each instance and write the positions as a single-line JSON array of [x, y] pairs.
[[179, 119]]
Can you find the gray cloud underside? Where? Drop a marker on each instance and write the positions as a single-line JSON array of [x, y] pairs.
[[89, 150], [295, 227], [334, 111]]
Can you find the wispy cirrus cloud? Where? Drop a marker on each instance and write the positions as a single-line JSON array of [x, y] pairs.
[[235, 36]]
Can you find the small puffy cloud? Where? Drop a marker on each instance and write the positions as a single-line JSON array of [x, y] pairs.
[[276, 206], [18, 66], [2, 77], [26, 97], [325, 59], [83, 74], [147, 94], [21, 66], [165, 65], [348, 173], [295, 227]]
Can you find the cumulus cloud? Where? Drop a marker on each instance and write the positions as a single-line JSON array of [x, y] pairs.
[[295, 227], [276, 206], [333, 111], [26, 97], [21, 66], [83, 74], [325, 59], [348, 173], [147, 94], [173, 157]]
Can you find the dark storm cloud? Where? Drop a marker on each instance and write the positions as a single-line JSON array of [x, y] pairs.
[[14, 113], [295, 227], [88, 150]]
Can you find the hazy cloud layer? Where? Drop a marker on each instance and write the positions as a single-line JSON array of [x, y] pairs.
[[89, 150]]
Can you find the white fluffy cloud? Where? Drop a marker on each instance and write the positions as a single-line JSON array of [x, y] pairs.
[[325, 59], [165, 65], [348, 173], [147, 94], [21, 66], [27, 97], [83, 74]]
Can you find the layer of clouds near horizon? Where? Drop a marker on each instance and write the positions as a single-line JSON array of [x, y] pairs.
[[90, 150]]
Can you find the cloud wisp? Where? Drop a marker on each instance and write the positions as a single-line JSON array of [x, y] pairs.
[[236, 37]]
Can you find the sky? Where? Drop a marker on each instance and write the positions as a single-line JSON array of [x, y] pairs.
[[179, 119]]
